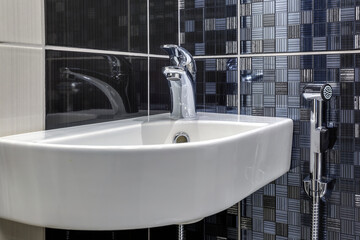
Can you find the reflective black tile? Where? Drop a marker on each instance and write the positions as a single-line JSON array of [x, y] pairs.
[[56, 234], [167, 232], [85, 88], [159, 88], [163, 24], [111, 24]]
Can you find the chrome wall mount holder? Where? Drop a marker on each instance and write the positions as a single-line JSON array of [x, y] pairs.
[[316, 185]]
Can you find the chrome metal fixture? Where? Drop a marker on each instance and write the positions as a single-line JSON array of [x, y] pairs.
[[315, 185], [181, 137], [182, 79]]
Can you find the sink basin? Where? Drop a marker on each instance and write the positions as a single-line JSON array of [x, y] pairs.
[[129, 174]]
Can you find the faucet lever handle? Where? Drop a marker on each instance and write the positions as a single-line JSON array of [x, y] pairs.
[[180, 57], [172, 51]]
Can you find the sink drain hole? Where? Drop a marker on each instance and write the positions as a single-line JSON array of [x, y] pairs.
[[181, 137]]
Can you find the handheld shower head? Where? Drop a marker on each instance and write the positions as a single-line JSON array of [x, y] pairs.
[[320, 92]]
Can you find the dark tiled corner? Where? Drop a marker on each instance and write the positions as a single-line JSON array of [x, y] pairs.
[[163, 24], [87, 88], [216, 85], [109, 25], [209, 27]]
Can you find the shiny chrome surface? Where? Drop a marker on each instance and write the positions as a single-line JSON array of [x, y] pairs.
[[181, 137], [318, 92], [182, 79], [314, 185]]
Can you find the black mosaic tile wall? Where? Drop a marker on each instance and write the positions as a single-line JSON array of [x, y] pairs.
[[271, 85], [298, 25], [209, 27], [281, 210], [217, 85]]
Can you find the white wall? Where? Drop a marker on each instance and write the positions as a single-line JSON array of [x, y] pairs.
[[22, 84]]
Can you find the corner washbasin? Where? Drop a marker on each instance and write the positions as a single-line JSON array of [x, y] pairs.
[[129, 174]]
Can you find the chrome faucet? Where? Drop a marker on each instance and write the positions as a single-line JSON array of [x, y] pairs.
[[182, 79]]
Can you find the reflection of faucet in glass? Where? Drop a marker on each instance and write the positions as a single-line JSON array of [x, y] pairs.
[[112, 95]]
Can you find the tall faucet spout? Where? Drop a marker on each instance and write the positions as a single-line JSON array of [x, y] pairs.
[[182, 82], [182, 93]]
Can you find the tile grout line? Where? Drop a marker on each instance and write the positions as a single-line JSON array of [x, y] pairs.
[[179, 18], [239, 98], [356, 51], [135, 54], [148, 54], [148, 71], [43, 63], [238, 56], [99, 51], [22, 45]]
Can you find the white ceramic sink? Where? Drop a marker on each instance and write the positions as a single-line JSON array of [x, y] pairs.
[[128, 174]]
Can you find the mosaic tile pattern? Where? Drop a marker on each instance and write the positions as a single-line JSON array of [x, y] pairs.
[[216, 85], [298, 25], [271, 86], [209, 27]]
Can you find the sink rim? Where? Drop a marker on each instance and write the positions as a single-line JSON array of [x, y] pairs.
[[133, 122]]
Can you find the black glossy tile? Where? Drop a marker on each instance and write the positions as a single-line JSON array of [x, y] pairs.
[[167, 232], [77, 88], [111, 25], [159, 88], [56, 234], [163, 24], [195, 231]]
